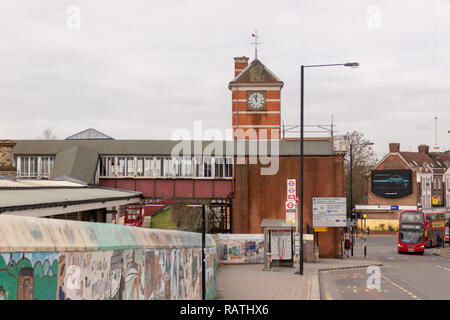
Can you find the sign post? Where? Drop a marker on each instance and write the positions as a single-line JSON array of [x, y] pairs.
[[291, 207], [291, 202]]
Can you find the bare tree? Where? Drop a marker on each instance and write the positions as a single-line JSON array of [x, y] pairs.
[[363, 160], [48, 134]]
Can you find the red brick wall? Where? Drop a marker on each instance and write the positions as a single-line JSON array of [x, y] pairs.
[[257, 119], [393, 161], [264, 197]]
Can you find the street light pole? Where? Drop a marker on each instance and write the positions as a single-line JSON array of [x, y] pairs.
[[301, 168], [302, 71], [203, 252], [351, 191]]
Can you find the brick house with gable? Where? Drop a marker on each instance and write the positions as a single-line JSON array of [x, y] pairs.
[[430, 179]]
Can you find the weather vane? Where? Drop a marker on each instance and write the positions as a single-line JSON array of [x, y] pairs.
[[255, 35]]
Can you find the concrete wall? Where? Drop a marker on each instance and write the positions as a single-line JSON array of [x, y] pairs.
[[48, 259], [240, 248]]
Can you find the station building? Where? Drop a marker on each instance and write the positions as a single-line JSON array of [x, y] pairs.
[[65, 198], [244, 178]]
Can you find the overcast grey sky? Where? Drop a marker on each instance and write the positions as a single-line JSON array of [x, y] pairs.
[[141, 69]]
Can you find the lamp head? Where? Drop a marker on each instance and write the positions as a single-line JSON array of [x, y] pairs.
[[352, 64]]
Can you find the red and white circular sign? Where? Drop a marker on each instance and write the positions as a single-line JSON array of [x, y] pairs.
[[290, 205]]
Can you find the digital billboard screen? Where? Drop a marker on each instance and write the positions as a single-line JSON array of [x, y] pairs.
[[391, 183]]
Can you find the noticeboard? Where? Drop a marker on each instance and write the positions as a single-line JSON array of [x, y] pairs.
[[281, 244], [329, 212]]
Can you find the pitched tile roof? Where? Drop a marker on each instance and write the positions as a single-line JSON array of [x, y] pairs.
[[256, 72], [418, 159]]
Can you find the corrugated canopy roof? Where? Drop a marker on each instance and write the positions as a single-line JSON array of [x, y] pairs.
[[37, 183], [21, 198]]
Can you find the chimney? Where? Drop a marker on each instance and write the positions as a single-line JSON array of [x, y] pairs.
[[6, 158], [394, 147], [423, 148], [240, 63]]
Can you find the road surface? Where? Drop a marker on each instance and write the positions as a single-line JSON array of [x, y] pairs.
[[402, 276]]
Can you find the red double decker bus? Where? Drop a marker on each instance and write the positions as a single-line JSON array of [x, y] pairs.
[[434, 227], [411, 229]]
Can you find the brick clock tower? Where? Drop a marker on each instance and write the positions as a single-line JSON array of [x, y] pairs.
[[256, 101]]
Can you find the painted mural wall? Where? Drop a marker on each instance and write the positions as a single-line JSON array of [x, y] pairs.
[[100, 261], [240, 248]]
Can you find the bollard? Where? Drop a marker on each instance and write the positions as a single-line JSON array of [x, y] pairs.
[[365, 248]]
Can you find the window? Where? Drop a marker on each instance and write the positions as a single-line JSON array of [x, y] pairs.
[[33, 162], [24, 166], [122, 166], [45, 163], [168, 167], [207, 168], [103, 167], [130, 167], [229, 167], [187, 167], [111, 166], [178, 166], [149, 168], [159, 167], [183, 167], [140, 167], [198, 167], [219, 164]]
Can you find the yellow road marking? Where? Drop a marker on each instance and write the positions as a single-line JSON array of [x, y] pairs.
[[400, 287]]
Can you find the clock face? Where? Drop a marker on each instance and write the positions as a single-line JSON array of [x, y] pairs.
[[256, 100]]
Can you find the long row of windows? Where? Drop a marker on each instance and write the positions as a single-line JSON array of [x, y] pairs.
[[196, 167], [34, 166]]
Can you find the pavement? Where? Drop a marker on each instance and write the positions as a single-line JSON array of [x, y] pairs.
[[442, 252], [251, 282], [402, 276]]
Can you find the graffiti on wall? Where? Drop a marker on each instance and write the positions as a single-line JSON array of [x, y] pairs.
[[28, 276], [231, 249], [119, 273], [132, 274]]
